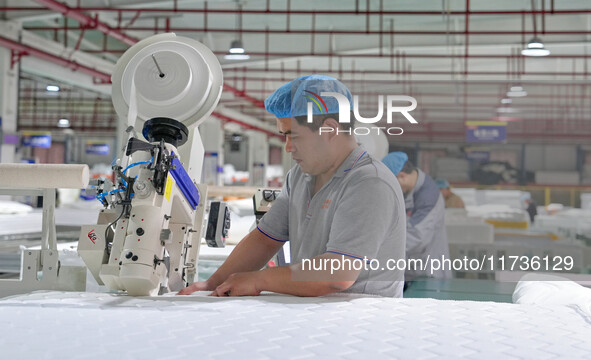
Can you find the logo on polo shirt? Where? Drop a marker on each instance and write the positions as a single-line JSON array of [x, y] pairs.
[[326, 204]]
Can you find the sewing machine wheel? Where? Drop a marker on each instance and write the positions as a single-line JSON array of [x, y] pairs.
[[171, 131]]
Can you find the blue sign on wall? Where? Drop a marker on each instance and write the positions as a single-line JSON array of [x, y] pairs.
[[37, 139], [97, 148], [486, 131]]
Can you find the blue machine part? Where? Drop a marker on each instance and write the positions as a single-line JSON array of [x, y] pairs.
[[185, 183]]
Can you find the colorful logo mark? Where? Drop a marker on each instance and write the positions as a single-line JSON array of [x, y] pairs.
[[325, 111]]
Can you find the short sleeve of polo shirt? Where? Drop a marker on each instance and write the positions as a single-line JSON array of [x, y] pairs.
[[275, 223], [364, 218]]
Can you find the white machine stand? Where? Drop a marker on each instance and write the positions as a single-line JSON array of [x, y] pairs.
[[41, 269]]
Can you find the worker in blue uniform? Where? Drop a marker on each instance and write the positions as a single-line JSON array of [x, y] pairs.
[[425, 209]]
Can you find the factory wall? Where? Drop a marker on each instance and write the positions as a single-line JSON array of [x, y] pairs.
[[236, 153], [551, 157], [552, 163], [81, 154]]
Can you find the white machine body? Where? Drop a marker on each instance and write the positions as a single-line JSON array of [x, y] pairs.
[[146, 240]]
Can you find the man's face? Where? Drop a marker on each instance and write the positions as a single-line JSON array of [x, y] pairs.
[[405, 181], [307, 148]]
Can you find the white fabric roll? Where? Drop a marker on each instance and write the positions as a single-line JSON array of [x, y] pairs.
[[44, 176]]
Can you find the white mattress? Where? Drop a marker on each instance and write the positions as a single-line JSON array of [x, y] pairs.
[[32, 222], [52, 325]]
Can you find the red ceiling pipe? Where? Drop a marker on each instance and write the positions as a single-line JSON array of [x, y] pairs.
[[452, 106], [86, 21], [256, 102], [369, 103], [504, 82], [414, 72], [246, 125], [70, 64], [326, 32], [175, 9], [446, 95], [106, 77], [394, 55]]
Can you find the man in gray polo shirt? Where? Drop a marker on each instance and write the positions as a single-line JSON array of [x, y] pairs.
[[341, 210]]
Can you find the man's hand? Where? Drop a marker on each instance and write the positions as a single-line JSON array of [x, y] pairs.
[[240, 284], [196, 286], [251, 254]]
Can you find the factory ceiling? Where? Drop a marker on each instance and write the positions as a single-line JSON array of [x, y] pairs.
[[459, 59]]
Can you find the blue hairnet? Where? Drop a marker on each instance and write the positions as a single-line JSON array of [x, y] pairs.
[[291, 99], [442, 183], [395, 161]]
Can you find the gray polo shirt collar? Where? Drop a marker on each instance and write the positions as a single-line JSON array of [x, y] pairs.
[[350, 161]]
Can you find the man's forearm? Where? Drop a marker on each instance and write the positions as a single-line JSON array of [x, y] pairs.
[[279, 280], [295, 280], [251, 254]]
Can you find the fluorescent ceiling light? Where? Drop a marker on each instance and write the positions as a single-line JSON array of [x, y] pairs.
[[237, 51], [516, 93], [506, 101], [535, 52], [52, 88], [535, 47], [63, 123], [237, 56], [236, 47], [506, 110]]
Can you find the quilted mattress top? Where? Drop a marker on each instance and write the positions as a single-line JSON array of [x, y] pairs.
[[52, 325]]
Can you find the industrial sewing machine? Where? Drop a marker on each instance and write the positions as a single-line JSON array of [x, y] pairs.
[[147, 238]]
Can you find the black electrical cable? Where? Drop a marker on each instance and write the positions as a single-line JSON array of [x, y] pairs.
[[109, 227]]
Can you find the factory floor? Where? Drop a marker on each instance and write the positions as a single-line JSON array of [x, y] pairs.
[[461, 289]]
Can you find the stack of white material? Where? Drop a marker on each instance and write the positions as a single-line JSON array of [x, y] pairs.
[[232, 176], [451, 169], [498, 213], [510, 198], [558, 177], [462, 229], [586, 201], [469, 195], [13, 207], [571, 224]]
